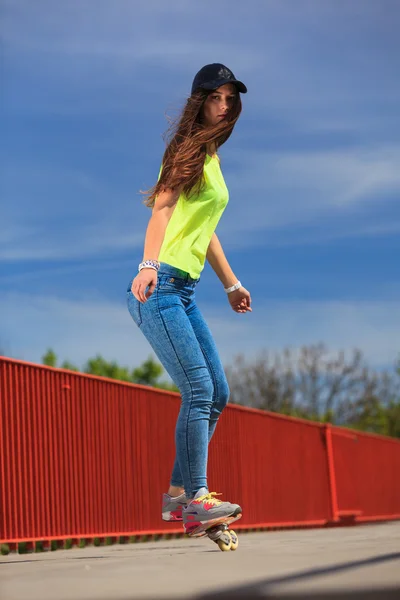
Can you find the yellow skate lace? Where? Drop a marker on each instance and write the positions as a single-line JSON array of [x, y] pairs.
[[209, 498]]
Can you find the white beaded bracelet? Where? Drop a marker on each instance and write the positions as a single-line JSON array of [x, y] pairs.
[[141, 267], [233, 288], [149, 264]]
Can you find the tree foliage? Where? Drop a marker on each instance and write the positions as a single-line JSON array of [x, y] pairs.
[[50, 358], [315, 384], [149, 373]]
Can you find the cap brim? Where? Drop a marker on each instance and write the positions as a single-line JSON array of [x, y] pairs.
[[214, 85]]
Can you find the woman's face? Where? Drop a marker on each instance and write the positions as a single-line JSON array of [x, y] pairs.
[[218, 104]]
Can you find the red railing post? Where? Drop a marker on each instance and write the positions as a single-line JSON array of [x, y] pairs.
[[331, 472]]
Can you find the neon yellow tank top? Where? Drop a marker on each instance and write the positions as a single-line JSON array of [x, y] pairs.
[[194, 221]]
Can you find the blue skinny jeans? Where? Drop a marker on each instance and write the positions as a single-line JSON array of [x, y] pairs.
[[183, 343]]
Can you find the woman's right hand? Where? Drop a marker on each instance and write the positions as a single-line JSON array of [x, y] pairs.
[[146, 278]]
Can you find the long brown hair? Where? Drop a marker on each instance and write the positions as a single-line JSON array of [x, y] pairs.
[[187, 139]]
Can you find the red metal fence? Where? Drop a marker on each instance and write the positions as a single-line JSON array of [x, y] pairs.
[[85, 457]]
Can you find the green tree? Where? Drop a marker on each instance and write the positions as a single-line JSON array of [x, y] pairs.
[[393, 419], [393, 409], [69, 366], [373, 417], [148, 373], [315, 384], [50, 358], [101, 367]]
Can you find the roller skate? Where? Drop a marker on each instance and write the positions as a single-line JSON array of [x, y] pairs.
[[225, 538], [172, 507], [205, 515]]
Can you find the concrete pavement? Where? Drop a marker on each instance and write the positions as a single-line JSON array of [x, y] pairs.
[[270, 564]]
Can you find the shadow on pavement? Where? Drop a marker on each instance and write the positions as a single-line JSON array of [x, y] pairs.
[[265, 587], [381, 594]]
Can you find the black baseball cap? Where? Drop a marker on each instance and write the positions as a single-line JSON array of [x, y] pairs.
[[213, 76]]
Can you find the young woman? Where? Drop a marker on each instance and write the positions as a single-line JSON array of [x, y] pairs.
[[187, 203]]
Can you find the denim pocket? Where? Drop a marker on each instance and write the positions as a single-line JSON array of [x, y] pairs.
[[168, 282], [134, 308]]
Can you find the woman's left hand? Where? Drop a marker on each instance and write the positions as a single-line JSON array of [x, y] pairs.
[[240, 300]]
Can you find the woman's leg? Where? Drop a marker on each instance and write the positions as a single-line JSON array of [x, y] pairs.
[[170, 333], [214, 365], [217, 374]]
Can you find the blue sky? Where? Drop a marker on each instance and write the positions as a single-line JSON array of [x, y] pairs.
[[313, 168]]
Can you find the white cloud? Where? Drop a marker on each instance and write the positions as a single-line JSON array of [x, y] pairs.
[[53, 239], [75, 329], [122, 34], [305, 61], [32, 275], [370, 326], [81, 57], [345, 176], [80, 328], [321, 233], [271, 190], [80, 242], [58, 214], [96, 43]]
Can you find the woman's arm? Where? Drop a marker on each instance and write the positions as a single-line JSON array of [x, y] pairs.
[[157, 226], [219, 262], [155, 233], [239, 299]]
